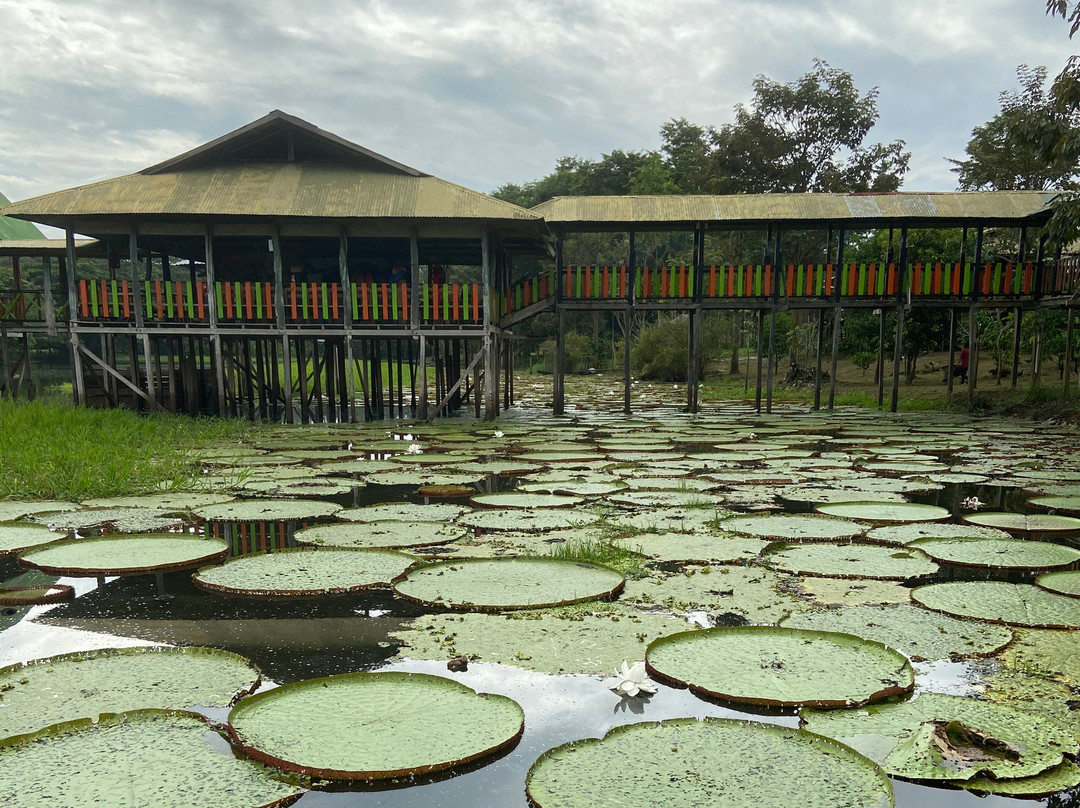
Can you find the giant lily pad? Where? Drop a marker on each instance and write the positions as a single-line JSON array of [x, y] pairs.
[[374, 725], [1031, 556], [303, 573], [886, 513], [841, 592], [11, 510], [1055, 654], [508, 583], [694, 547], [917, 633], [589, 643], [35, 595], [749, 592], [685, 763], [1062, 583], [404, 512], [913, 531], [380, 534], [1057, 502], [168, 502], [938, 737], [89, 684], [1048, 782], [794, 527], [125, 555], [512, 499], [267, 510], [780, 667], [998, 602], [850, 561], [529, 520], [120, 520], [18, 536], [1025, 524], [146, 757]]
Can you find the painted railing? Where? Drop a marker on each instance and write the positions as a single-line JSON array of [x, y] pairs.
[[23, 306], [451, 303], [244, 301], [603, 283], [312, 302], [375, 302], [175, 301], [105, 300], [664, 283], [528, 291]]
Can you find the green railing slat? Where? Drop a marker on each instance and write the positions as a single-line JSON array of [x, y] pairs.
[[425, 290]]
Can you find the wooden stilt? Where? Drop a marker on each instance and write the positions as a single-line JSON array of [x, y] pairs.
[[819, 357], [1066, 373], [834, 361], [558, 393], [952, 359], [760, 346], [1018, 323], [693, 360], [973, 354], [770, 372], [898, 353], [880, 372], [422, 405]]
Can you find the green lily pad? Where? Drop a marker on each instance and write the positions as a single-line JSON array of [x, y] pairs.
[[499, 584], [268, 510], [1056, 502], [685, 763], [12, 509], [372, 726], [404, 512], [35, 595], [916, 633], [1047, 653], [146, 757], [998, 602], [512, 499], [590, 643], [167, 503], [1024, 554], [307, 487], [125, 555], [750, 592], [380, 534], [780, 667], [1024, 524], [830, 560], [913, 531], [795, 527], [841, 592], [1062, 583], [694, 548], [119, 520], [885, 512], [1051, 781], [18, 536], [534, 521], [951, 738], [303, 573], [91, 683]]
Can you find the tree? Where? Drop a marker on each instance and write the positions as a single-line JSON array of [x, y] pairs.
[[1064, 225], [1003, 155], [805, 135]]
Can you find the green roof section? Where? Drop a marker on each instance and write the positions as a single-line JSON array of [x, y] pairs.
[[861, 209], [16, 229]]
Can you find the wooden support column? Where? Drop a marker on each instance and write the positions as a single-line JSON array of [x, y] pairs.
[[837, 315], [693, 361], [1018, 324], [78, 379], [1066, 374], [760, 338], [47, 294], [279, 321], [973, 321], [558, 392], [137, 298], [952, 359], [631, 293], [491, 359], [898, 346], [819, 357], [215, 335], [347, 293]]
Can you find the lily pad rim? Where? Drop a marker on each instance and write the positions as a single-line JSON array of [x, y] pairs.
[[86, 572]]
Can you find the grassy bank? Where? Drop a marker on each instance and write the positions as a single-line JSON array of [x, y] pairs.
[[55, 451]]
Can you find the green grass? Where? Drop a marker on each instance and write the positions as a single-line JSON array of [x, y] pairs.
[[55, 451], [598, 551]]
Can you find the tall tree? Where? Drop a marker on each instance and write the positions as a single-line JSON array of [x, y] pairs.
[[1064, 142], [1003, 155], [805, 135]]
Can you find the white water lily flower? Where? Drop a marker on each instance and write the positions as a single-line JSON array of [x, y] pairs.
[[498, 433], [631, 680], [407, 437], [973, 503], [415, 448]]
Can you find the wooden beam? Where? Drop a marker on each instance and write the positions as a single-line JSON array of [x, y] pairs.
[[457, 385], [120, 377], [79, 380]]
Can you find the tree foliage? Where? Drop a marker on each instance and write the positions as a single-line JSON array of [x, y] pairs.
[[1002, 153]]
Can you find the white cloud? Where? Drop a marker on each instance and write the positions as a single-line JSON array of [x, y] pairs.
[[479, 91]]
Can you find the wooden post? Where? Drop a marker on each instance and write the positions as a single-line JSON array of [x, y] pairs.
[[819, 357], [898, 350], [881, 358], [760, 336], [422, 404], [1018, 323], [631, 294], [973, 321], [46, 289], [1066, 374], [347, 293], [693, 359], [952, 358], [215, 335], [279, 320], [837, 315], [137, 298], [772, 360], [491, 359], [79, 381], [558, 393]]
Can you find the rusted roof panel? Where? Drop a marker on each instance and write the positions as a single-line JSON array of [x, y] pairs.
[[750, 208], [315, 190]]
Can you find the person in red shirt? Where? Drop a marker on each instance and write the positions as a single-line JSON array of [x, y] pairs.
[[436, 271]]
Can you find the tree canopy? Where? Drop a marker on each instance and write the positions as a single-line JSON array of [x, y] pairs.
[[1003, 154], [805, 135]]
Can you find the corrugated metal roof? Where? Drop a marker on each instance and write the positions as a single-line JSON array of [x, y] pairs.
[[315, 190], [751, 208], [14, 228], [43, 246]]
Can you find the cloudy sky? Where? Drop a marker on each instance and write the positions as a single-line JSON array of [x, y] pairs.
[[481, 92]]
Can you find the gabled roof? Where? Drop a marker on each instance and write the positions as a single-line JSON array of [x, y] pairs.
[[278, 167], [869, 210], [15, 229]]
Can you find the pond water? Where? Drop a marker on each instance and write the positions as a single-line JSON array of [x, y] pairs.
[[998, 462]]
